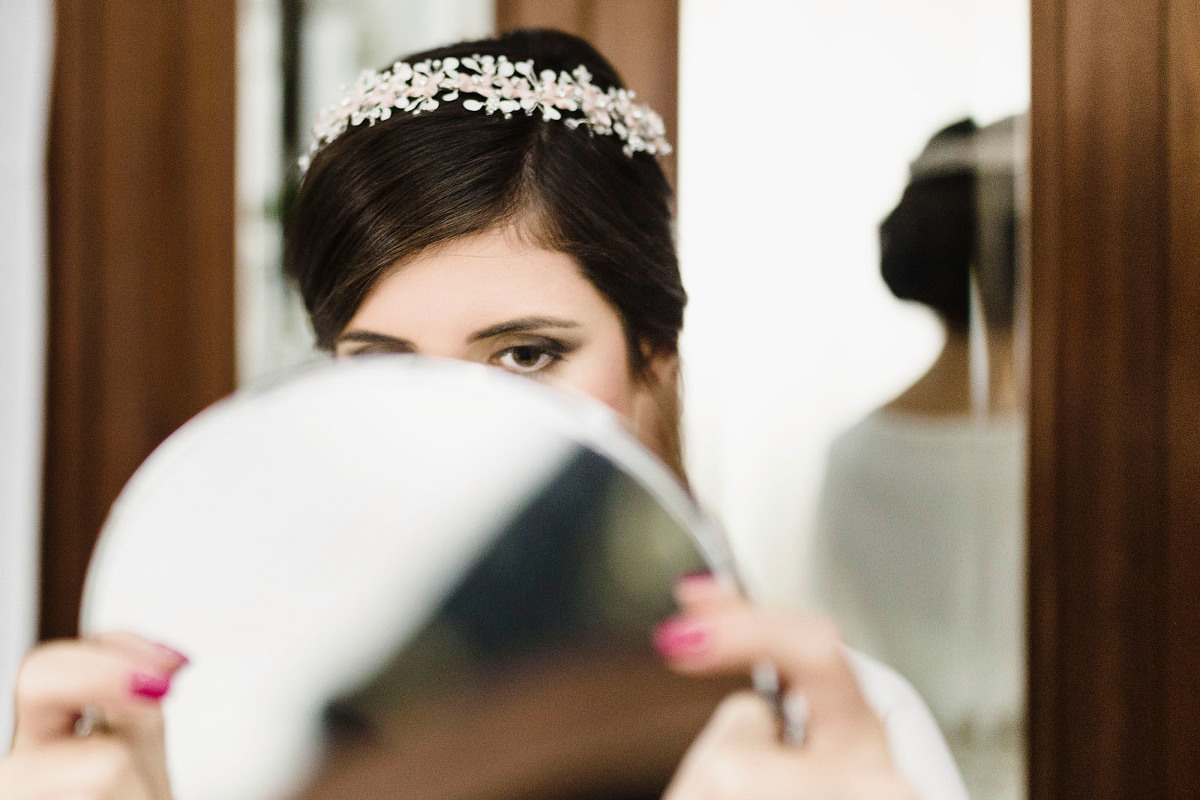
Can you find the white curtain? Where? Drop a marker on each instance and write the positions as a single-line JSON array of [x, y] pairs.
[[26, 47]]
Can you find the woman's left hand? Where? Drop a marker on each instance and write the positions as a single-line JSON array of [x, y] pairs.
[[741, 755]]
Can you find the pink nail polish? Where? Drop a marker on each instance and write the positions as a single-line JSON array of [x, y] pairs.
[[680, 638], [151, 687], [182, 660]]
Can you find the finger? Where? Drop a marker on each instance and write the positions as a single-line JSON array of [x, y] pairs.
[[93, 767], [705, 593], [142, 725], [806, 650], [156, 654], [738, 755], [58, 681], [742, 720]]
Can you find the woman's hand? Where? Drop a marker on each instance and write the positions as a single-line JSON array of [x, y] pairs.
[[115, 681], [741, 754]]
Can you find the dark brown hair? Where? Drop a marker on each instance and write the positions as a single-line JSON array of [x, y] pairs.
[[952, 224], [380, 194]]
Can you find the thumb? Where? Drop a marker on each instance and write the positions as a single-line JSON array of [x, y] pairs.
[[729, 757], [743, 720]]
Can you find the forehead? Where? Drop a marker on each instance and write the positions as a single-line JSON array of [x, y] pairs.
[[478, 280]]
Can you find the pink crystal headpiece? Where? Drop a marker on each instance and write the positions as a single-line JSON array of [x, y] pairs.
[[495, 85]]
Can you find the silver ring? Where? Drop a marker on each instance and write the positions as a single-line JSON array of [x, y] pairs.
[[791, 707], [796, 712], [90, 722]]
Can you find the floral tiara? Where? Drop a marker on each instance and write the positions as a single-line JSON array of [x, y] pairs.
[[492, 84]]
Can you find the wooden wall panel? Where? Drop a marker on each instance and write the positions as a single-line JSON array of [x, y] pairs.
[[1183, 398], [640, 37], [141, 232], [1114, 481]]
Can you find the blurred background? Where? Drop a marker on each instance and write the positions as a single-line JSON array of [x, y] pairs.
[[151, 160]]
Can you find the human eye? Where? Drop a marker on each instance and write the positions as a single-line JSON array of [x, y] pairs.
[[530, 359]]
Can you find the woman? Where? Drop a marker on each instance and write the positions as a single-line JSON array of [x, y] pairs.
[[509, 210], [946, 459]]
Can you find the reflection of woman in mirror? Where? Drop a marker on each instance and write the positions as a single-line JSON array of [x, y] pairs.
[[541, 243], [919, 545]]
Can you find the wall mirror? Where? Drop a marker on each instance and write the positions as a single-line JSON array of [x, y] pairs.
[[867, 452]]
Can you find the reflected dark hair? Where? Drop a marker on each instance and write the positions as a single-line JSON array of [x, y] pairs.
[[380, 194], [941, 231]]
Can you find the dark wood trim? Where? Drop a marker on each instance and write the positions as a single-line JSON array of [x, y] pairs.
[[1044, 285], [565, 15], [141, 255], [291, 23], [640, 38], [1115, 387], [1183, 399]]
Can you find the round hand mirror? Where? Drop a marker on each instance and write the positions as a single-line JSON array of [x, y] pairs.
[[402, 577]]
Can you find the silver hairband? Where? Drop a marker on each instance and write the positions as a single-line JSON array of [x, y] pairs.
[[492, 84]]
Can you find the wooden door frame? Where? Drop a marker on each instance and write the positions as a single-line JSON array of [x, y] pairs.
[[140, 183], [1114, 513]]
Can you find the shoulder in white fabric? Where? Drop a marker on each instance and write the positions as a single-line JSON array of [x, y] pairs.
[[917, 745]]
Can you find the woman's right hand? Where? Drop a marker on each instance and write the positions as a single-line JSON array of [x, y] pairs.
[[118, 679], [740, 755]]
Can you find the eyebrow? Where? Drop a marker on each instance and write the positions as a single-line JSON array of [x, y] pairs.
[[522, 325], [370, 337]]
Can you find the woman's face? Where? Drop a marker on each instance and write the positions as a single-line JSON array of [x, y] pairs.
[[495, 299]]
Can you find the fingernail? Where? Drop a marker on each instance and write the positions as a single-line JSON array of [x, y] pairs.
[[179, 657], [151, 687], [678, 638]]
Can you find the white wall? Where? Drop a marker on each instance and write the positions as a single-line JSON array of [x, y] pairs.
[[797, 124], [26, 29]]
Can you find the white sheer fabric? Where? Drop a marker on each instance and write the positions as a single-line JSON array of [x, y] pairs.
[[26, 36]]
